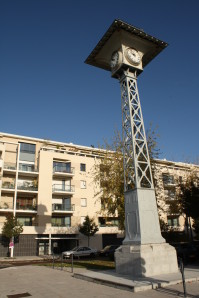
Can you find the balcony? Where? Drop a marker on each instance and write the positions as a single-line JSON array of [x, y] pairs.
[[60, 208], [8, 186], [27, 187], [6, 206], [26, 207], [9, 167], [63, 189], [63, 171], [28, 170]]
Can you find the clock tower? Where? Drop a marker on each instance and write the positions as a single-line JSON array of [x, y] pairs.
[[125, 50]]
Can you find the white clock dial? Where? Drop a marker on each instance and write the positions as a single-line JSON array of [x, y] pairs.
[[114, 59], [133, 56]]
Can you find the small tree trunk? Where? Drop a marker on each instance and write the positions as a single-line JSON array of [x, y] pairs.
[[88, 241], [191, 232]]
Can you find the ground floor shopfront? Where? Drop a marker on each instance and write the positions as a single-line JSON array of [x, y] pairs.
[[38, 245], [45, 244]]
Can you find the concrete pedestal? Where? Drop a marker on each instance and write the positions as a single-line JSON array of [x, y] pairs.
[[146, 260], [144, 251]]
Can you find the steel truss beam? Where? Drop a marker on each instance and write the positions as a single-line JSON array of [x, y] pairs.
[[137, 169]]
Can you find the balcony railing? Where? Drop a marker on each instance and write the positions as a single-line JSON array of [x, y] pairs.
[[10, 166], [5, 205], [61, 188], [27, 168], [62, 169], [63, 225], [27, 187], [63, 207], [20, 206], [8, 185]]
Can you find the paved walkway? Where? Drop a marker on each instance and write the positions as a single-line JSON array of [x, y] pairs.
[[40, 281], [111, 278], [25, 258]]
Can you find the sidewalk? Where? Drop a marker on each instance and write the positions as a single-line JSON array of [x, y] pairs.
[[14, 278], [21, 259], [45, 282]]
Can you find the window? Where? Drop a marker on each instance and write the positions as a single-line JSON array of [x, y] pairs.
[[173, 221], [29, 148], [108, 221], [167, 179], [27, 152], [62, 167], [83, 184], [170, 193], [26, 203], [83, 202], [25, 221], [82, 167], [26, 167], [61, 221], [180, 179]]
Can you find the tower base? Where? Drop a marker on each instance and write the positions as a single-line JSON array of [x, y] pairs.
[[146, 260]]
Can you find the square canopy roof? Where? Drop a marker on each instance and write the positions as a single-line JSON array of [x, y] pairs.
[[100, 56]]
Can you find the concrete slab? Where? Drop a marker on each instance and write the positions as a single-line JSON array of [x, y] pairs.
[[126, 282]]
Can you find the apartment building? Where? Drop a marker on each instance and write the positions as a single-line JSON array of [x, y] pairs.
[[49, 187], [167, 177]]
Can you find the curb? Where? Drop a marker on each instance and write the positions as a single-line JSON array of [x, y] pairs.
[[140, 286]]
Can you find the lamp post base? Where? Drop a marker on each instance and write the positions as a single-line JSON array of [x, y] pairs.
[[146, 259]]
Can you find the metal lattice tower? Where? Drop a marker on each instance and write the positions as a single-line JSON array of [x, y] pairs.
[[137, 170], [125, 50]]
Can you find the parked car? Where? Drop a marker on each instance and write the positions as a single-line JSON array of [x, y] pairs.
[[82, 251], [186, 251], [108, 251]]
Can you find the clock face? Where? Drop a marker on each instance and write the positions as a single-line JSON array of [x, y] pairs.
[[133, 56], [114, 59]]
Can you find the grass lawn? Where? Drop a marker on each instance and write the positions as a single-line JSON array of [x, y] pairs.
[[94, 264]]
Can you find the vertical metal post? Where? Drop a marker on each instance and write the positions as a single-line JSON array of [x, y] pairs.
[[49, 244], [183, 277], [72, 264], [53, 260], [62, 261]]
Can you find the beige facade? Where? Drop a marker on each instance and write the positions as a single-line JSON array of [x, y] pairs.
[[49, 187], [167, 176]]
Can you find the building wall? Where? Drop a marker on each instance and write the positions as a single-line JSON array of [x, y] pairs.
[[37, 189], [44, 178]]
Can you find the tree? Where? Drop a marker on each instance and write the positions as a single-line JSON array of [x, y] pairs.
[[88, 228], [189, 196], [109, 175], [196, 226], [11, 228], [189, 200]]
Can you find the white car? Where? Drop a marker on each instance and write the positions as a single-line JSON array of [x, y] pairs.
[[82, 251]]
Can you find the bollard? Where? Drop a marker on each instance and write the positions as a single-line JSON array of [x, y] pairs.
[[62, 261], [53, 261], [72, 263], [181, 264]]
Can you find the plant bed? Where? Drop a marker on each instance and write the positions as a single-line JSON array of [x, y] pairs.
[[87, 264]]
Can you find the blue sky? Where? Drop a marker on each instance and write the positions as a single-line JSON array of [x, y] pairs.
[[47, 91]]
